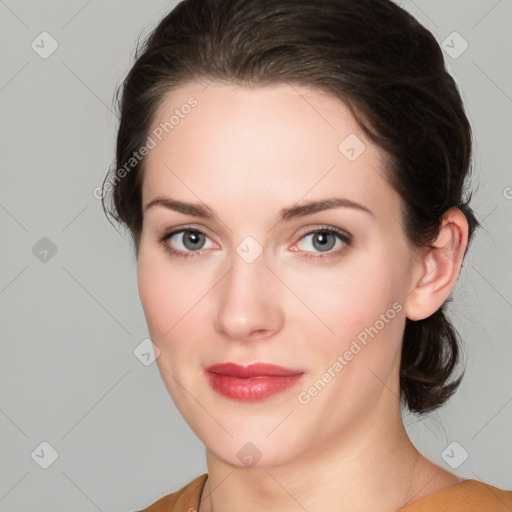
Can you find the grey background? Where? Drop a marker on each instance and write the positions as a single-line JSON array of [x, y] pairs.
[[70, 324]]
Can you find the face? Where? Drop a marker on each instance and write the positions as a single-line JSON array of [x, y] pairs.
[[267, 279]]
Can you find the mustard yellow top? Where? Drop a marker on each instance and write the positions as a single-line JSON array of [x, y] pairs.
[[466, 496]]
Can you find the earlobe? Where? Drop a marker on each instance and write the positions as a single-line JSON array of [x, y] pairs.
[[441, 264]]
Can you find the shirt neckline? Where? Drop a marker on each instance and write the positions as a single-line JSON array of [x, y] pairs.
[[403, 509]]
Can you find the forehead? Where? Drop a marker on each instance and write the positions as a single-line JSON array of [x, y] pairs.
[[262, 145]]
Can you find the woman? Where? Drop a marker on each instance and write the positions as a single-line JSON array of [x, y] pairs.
[[293, 176]]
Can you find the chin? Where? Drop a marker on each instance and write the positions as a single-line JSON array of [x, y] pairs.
[[257, 451]]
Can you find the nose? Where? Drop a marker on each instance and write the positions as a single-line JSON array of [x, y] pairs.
[[248, 301]]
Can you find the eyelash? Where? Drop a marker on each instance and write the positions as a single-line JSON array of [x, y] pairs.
[[345, 237]]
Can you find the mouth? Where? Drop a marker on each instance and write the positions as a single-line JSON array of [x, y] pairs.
[[253, 382]]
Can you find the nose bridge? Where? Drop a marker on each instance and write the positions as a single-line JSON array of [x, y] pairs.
[[248, 304]]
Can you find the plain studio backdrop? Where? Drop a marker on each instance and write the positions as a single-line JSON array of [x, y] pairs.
[[85, 424]]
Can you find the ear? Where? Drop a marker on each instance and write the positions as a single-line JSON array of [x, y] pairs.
[[439, 267]]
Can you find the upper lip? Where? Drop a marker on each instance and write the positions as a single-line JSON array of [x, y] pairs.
[[252, 370]]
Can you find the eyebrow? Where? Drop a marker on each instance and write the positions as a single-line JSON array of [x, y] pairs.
[[308, 208]]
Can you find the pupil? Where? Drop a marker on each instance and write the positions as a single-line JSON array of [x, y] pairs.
[[322, 238], [192, 238]]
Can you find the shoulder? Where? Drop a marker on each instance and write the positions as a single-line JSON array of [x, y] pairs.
[[185, 499], [467, 496]]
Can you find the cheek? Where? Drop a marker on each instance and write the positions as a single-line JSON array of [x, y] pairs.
[[165, 292], [354, 296], [157, 302], [363, 306], [368, 294], [168, 300], [174, 301]]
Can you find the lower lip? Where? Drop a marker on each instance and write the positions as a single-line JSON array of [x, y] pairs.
[[251, 389]]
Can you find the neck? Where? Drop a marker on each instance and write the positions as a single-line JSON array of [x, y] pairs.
[[372, 469]]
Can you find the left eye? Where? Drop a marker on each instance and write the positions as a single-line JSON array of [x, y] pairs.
[[324, 240]]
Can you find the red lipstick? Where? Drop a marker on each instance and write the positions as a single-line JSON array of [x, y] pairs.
[[251, 383]]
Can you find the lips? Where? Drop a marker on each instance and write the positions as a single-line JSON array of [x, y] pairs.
[[251, 383], [252, 370]]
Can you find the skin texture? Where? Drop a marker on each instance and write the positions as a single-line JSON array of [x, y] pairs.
[[247, 154]]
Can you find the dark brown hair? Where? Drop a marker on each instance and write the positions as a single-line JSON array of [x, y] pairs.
[[372, 55]]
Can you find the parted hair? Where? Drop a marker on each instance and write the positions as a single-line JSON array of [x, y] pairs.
[[370, 54]]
